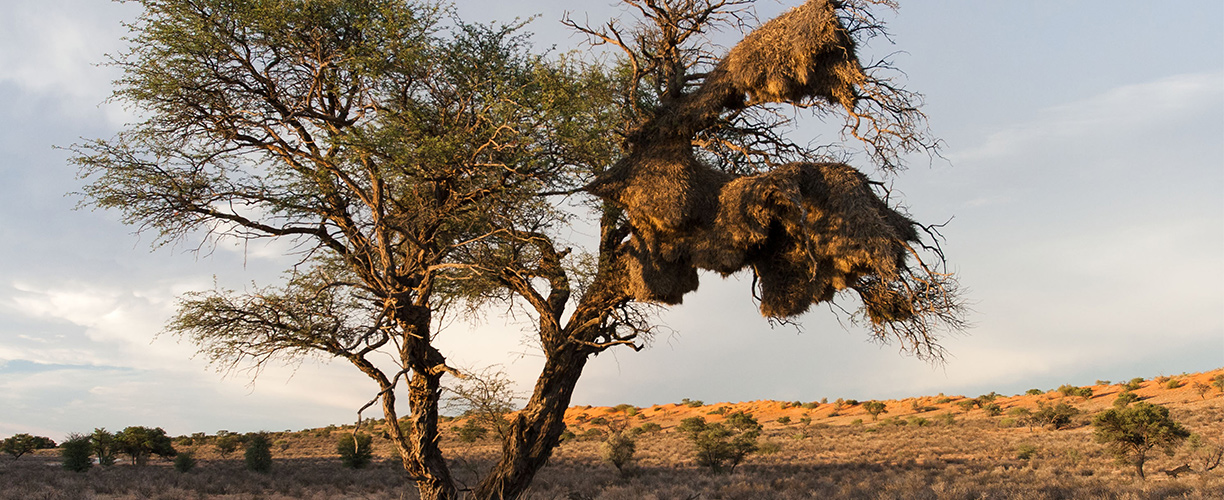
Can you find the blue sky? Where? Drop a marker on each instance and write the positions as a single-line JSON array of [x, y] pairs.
[[1084, 179]]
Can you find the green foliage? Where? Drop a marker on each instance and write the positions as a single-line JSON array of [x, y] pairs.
[[768, 447], [184, 462], [1125, 398], [627, 409], [258, 453], [356, 452], [993, 409], [650, 427], [1070, 390], [1133, 384], [966, 405], [142, 442], [75, 453], [598, 421], [1131, 432], [1025, 451], [471, 431], [1218, 382], [104, 446], [1056, 416], [1173, 384], [228, 443], [805, 420], [875, 408], [692, 403], [722, 443], [1202, 389], [810, 406], [618, 450], [919, 421], [946, 418], [1034, 392], [784, 420], [19, 445]]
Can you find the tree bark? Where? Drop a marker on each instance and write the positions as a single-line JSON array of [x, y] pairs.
[[536, 430]]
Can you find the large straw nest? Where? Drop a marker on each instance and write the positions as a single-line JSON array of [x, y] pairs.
[[807, 230], [804, 53]]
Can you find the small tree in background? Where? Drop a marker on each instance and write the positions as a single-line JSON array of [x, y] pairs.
[[104, 446], [227, 443], [76, 451], [142, 442], [355, 450], [1202, 389], [1056, 416], [722, 443], [1218, 382], [618, 450], [184, 462], [875, 408], [1124, 399], [1133, 431], [258, 455], [19, 445]]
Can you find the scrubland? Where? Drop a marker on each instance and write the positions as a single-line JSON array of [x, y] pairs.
[[932, 447]]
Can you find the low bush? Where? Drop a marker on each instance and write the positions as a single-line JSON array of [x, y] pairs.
[[75, 453], [184, 462], [355, 451]]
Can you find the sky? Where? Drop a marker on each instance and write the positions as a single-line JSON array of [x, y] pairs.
[[1083, 179]]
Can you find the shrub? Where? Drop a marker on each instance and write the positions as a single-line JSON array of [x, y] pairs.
[[1103, 382], [1173, 384], [1131, 432], [75, 452], [1202, 389], [784, 420], [1133, 384], [1070, 390], [810, 406], [471, 431], [993, 409], [1025, 451], [598, 421], [1034, 392], [947, 418], [650, 427], [966, 405], [258, 454], [852, 402], [356, 451], [1056, 416], [769, 448], [618, 450], [919, 421], [227, 443], [104, 446], [805, 420], [19, 445], [1218, 382], [184, 462], [1125, 398], [724, 443], [142, 442], [875, 408], [692, 403], [567, 436]]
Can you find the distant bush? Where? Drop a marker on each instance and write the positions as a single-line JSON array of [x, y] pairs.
[[1034, 392], [919, 421], [184, 462], [1202, 389], [1071, 390], [258, 454], [650, 427], [810, 406], [943, 400], [966, 405], [598, 421], [875, 408], [723, 443], [1173, 384], [1103, 382], [355, 452], [784, 420], [852, 402], [618, 450], [946, 418], [1218, 382], [692, 403], [769, 447], [993, 409], [19, 445], [805, 420], [471, 431], [1025, 451], [227, 443], [627, 409], [142, 442], [1125, 398], [1056, 416], [718, 411], [1133, 384], [75, 453]]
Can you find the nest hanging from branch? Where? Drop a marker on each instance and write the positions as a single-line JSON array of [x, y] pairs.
[[806, 230]]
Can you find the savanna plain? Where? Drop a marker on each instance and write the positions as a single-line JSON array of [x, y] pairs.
[[931, 447]]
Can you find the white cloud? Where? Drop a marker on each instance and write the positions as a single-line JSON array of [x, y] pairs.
[[1160, 104]]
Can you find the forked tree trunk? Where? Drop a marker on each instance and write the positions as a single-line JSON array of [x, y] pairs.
[[536, 430]]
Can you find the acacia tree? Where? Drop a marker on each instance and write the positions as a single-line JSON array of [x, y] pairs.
[[1131, 432], [417, 167]]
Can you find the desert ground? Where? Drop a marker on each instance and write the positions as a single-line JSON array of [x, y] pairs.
[[931, 447]]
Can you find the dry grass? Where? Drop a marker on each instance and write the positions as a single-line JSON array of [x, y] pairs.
[[834, 455]]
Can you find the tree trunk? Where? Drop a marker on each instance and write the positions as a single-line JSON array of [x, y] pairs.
[[536, 430]]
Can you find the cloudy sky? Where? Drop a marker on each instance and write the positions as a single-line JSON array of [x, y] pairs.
[[1084, 179]]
